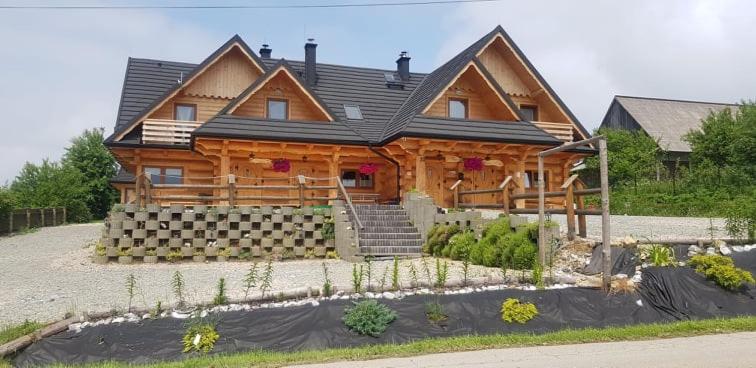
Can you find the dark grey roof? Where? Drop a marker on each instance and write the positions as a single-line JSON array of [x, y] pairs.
[[123, 176], [279, 130], [146, 80], [167, 83], [478, 130], [366, 87], [669, 120]]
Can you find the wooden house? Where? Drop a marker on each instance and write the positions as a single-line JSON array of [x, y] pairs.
[[261, 123]]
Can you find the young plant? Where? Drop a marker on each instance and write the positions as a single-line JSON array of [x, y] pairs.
[[174, 256], [465, 270], [383, 278], [327, 285], [369, 272], [200, 336], [395, 284], [435, 312], [413, 275], [100, 249], [357, 278], [537, 276], [442, 273], [130, 289], [158, 309], [512, 311], [426, 270], [659, 255], [368, 318], [178, 285], [267, 278], [220, 296], [250, 279]]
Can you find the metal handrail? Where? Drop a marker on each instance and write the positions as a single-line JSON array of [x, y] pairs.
[[349, 202]]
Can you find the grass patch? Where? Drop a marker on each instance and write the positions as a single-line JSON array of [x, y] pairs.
[[12, 332], [463, 343]]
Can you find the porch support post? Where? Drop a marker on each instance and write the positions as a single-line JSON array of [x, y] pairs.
[[225, 170], [520, 179], [541, 215], [333, 172], [420, 172]]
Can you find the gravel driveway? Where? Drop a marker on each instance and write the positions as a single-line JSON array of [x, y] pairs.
[[48, 273]]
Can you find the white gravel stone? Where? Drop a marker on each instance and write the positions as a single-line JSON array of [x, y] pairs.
[[738, 248], [725, 250], [389, 295]]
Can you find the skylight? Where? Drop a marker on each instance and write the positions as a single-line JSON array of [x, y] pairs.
[[353, 112]]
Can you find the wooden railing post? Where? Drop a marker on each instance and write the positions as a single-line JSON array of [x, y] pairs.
[[55, 217], [147, 190], [65, 218], [504, 186], [42, 217], [138, 190], [28, 219], [301, 181], [10, 222], [569, 204], [231, 190], [455, 190], [582, 226]]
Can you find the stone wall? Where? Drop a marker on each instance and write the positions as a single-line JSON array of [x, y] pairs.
[[215, 233]]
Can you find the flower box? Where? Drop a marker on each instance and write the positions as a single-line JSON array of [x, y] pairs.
[[234, 217], [266, 210], [151, 242], [176, 242], [308, 226], [164, 216], [200, 209], [117, 216], [187, 234], [266, 226], [287, 226], [111, 251], [245, 226], [115, 233], [255, 234], [245, 243], [256, 252], [125, 242], [299, 251], [187, 251], [277, 218], [150, 259], [223, 242], [187, 217], [163, 234], [125, 259], [235, 251], [278, 234], [320, 251], [222, 225], [161, 251], [100, 259], [139, 234], [211, 251], [199, 242], [267, 243], [234, 234], [177, 208], [129, 225], [141, 216], [256, 217], [199, 225], [288, 242], [198, 259], [153, 208]]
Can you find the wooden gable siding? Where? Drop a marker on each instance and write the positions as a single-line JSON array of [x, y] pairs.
[[280, 87], [482, 101], [207, 107], [515, 79], [226, 78]]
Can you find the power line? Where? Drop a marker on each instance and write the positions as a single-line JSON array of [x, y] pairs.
[[310, 6]]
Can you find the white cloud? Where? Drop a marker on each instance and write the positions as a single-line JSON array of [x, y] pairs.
[[62, 72], [591, 50]]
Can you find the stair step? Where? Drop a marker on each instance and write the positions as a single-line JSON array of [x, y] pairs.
[[378, 206], [371, 217], [390, 229], [390, 235], [385, 223], [390, 242], [391, 250], [380, 212]]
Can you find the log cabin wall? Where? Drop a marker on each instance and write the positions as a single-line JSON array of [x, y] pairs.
[[282, 88], [482, 102]]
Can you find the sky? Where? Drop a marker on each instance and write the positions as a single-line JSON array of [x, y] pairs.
[[61, 71]]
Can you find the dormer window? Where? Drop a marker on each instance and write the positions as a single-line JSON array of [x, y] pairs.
[[277, 109], [457, 108], [185, 112], [529, 112]]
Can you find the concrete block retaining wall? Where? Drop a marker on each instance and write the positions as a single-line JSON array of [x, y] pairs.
[[215, 233]]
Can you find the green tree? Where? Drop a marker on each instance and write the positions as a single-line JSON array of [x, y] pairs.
[[7, 203], [53, 185], [89, 155], [631, 155]]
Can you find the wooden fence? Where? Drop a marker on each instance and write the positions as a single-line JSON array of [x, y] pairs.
[[573, 191], [28, 218]]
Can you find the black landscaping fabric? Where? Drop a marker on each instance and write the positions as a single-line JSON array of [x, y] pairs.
[[667, 294], [624, 261]]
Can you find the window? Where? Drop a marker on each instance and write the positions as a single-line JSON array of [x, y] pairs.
[[185, 112], [531, 179], [458, 108], [165, 175], [278, 109], [354, 179], [529, 113], [353, 112]]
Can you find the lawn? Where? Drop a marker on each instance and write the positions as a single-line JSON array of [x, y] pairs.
[[464, 343]]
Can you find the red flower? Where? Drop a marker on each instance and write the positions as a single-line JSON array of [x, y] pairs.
[[473, 164], [368, 169], [281, 165]]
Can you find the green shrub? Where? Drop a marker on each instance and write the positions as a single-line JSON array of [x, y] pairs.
[[512, 311], [368, 318], [438, 237], [435, 312], [207, 337], [220, 297], [659, 255], [721, 270], [461, 244]]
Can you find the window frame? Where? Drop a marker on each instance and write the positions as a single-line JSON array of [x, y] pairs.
[[534, 108], [465, 103], [163, 170], [267, 107], [358, 179], [532, 180], [176, 105]]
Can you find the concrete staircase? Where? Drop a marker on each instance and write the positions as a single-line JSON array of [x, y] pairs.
[[387, 231]]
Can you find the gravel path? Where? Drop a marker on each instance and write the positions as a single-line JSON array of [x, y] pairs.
[[48, 273]]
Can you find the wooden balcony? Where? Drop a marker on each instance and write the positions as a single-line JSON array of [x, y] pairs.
[[158, 131], [560, 130]]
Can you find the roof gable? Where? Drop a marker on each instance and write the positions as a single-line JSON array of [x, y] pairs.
[[179, 84], [281, 72]]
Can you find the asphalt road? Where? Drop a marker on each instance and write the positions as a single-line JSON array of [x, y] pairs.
[[722, 351]]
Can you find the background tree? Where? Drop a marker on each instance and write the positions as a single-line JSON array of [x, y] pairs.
[[7, 203], [89, 155], [632, 156], [53, 185]]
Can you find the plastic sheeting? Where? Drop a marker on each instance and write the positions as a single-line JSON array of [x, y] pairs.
[[624, 261], [668, 294]]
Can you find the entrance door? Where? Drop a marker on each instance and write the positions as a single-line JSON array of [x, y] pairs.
[[434, 181]]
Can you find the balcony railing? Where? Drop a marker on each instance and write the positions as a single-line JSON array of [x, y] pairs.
[[159, 131], [560, 130]]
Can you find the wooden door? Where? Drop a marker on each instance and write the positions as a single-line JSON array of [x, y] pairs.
[[434, 181]]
